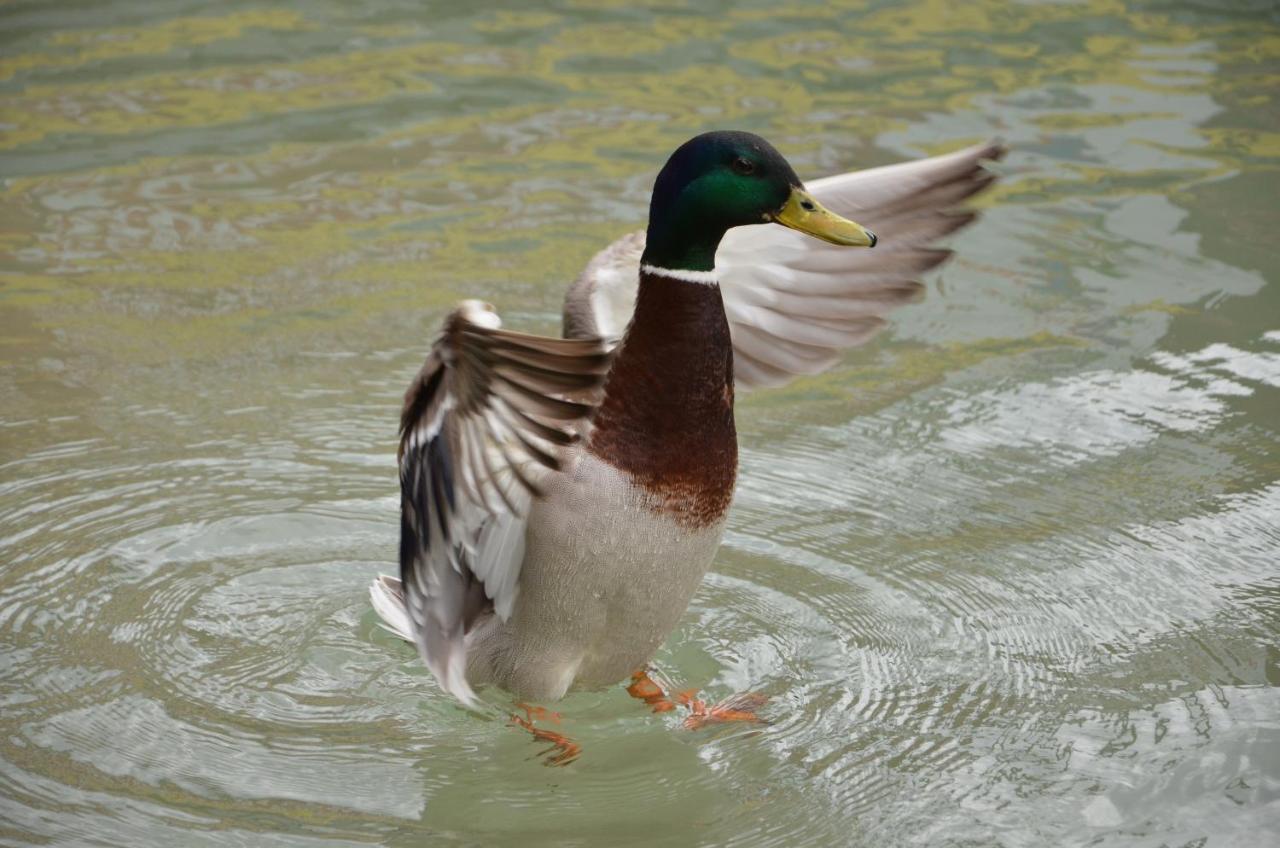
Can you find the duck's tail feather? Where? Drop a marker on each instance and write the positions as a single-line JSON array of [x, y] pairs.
[[387, 595]]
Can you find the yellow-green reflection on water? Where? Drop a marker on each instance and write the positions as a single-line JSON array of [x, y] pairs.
[[1009, 574]]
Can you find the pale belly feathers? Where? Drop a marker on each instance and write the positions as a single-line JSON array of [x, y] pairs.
[[605, 579]]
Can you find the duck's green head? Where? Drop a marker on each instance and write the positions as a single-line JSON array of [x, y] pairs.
[[720, 180]]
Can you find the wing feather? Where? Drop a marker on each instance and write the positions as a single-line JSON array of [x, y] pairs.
[[794, 303], [485, 423]]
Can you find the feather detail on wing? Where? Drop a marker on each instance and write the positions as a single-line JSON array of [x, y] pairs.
[[489, 418], [795, 303]]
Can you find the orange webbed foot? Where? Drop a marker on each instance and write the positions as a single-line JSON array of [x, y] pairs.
[[741, 707], [563, 750], [643, 687], [734, 708]]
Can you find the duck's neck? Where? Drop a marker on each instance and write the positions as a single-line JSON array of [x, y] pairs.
[[667, 417]]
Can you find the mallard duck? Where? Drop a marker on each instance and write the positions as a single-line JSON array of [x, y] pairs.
[[563, 498]]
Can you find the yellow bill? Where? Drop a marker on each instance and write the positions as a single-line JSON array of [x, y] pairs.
[[807, 215]]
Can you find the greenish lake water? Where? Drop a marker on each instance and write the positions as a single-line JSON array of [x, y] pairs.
[[1010, 574]]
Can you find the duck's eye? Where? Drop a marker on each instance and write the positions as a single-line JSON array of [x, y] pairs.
[[744, 166]]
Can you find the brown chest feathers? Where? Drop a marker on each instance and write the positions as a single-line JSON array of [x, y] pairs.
[[667, 417]]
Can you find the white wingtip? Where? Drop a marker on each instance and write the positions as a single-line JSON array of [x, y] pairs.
[[457, 684], [388, 603], [451, 675], [480, 313], [386, 594]]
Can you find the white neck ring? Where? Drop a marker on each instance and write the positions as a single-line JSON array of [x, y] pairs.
[[706, 278]]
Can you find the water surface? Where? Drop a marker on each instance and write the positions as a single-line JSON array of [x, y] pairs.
[[1008, 574]]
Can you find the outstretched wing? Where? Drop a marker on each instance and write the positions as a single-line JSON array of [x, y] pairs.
[[795, 303], [489, 418]]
